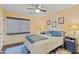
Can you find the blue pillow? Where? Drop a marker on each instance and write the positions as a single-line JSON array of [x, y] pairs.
[[29, 38], [56, 33]]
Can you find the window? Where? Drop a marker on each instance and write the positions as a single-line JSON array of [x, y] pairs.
[[17, 25]]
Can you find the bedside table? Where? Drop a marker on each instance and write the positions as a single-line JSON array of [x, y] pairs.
[[70, 44]]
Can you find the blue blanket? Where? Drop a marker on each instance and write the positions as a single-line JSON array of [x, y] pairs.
[[17, 50], [34, 38]]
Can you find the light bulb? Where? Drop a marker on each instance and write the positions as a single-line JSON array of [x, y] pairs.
[[37, 10]]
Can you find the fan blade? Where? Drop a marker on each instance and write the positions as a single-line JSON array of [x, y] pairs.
[[38, 6], [43, 10], [30, 8]]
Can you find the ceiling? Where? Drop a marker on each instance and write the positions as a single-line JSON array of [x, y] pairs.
[[22, 8]]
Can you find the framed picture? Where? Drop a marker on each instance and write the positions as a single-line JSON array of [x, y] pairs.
[[49, 22], [54, 24], [61, 20]]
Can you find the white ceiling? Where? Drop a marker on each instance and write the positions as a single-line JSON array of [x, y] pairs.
[[22, 8]]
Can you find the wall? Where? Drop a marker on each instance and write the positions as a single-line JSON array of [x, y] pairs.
[[11, 39], [36, 24], [35, 27], [71, 17]]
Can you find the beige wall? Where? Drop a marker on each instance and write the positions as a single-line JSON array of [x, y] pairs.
[[11, 39], [35, 23], [71, 17]]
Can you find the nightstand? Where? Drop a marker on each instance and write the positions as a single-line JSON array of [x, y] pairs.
[[70, 44]]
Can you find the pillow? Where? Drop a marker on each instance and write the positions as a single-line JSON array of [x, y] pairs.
[[29, 39], [56, 33]]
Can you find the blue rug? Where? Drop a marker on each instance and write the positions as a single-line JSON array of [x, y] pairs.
[[17, 50]]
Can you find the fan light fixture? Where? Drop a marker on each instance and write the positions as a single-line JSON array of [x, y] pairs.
[[37, 11]]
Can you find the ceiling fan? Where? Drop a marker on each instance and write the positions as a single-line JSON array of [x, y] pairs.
[[38, 8]]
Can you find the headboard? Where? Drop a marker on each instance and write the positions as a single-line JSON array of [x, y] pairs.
[[56, 33]]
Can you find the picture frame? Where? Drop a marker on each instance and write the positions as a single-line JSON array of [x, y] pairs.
[[54, 24], [61, 20], [48, 22]]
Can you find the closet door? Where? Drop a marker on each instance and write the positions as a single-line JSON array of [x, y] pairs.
[[1, 33], [1, 26]]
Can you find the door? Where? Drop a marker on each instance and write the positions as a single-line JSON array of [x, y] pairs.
[[1, 33]]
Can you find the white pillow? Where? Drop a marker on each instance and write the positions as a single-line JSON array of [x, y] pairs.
[[72, 34]]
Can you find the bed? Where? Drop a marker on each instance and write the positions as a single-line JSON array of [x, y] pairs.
[[42, 44]]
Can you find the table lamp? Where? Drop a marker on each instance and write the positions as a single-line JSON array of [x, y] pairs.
[[74, 28], [43, 28]]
